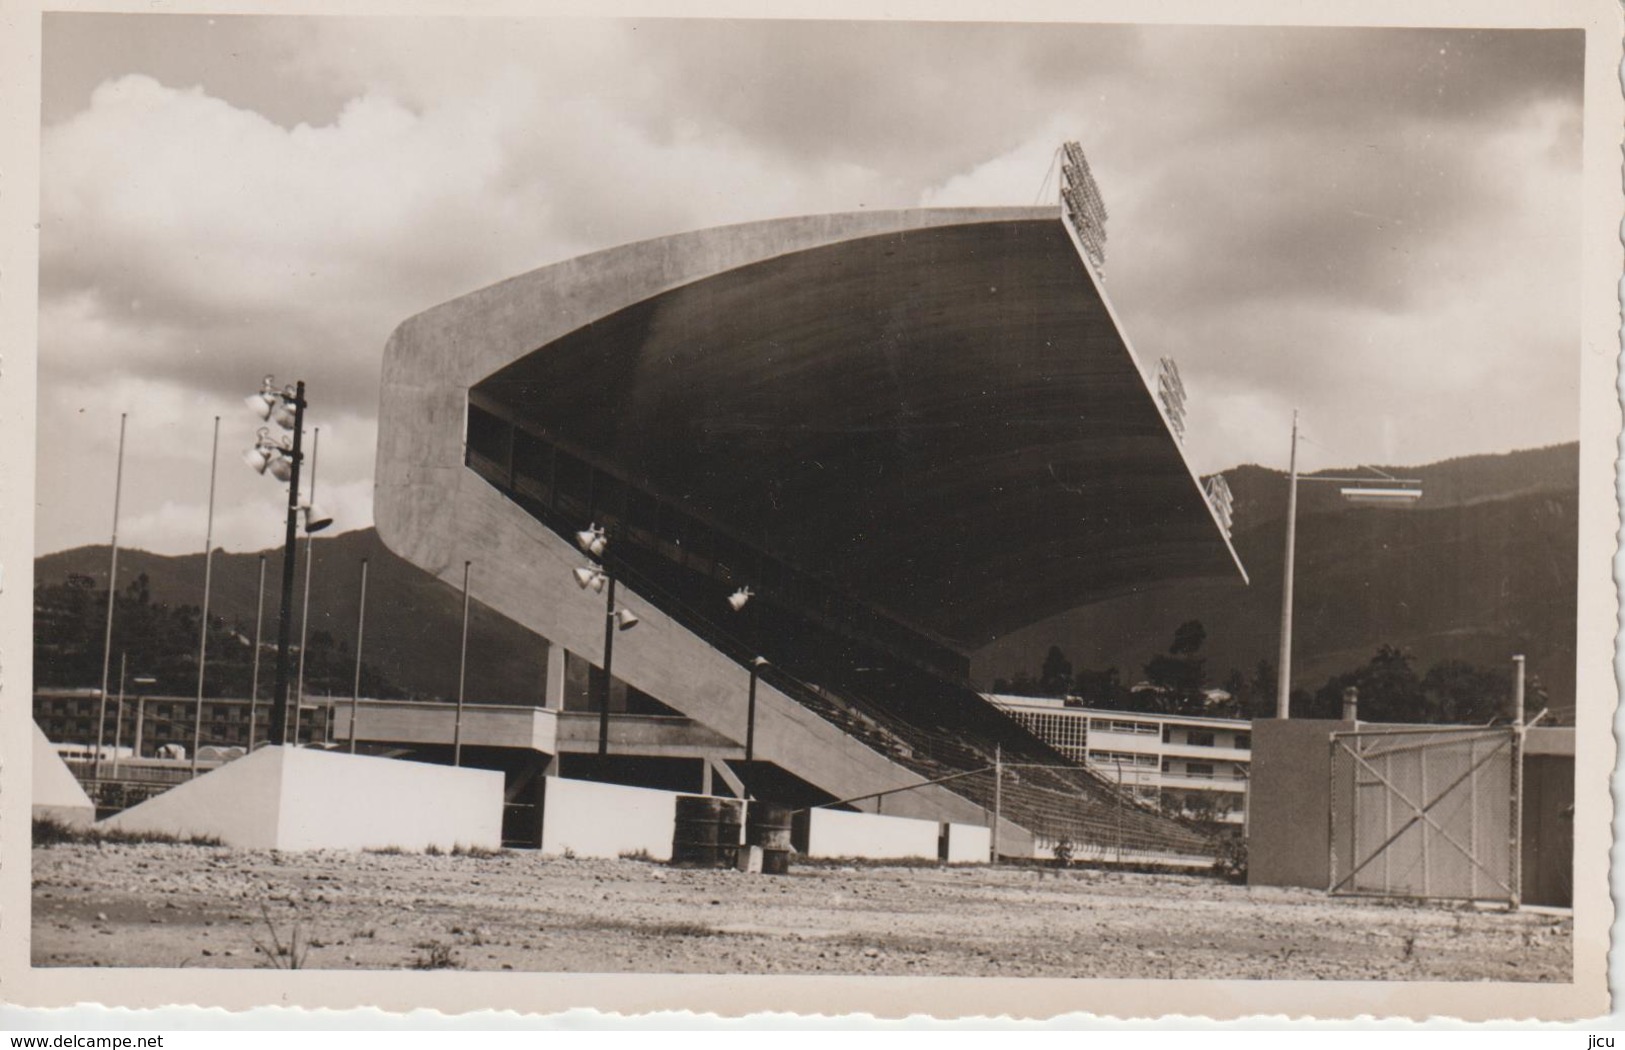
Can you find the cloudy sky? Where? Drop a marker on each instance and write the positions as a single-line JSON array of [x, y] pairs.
[[1377, 226]]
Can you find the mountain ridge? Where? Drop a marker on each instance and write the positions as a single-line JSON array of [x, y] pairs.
[[1485, 565]]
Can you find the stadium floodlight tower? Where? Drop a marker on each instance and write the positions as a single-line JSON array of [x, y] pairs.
[[1384, 490], [281, 459], [595, 541]]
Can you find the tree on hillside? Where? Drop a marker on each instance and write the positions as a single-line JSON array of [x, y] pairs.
[[1458, 692], [1055, 678], [1101, 689], [161, 642], [1023, 684], [1261, 696], [1179, 674], [1390, 690]]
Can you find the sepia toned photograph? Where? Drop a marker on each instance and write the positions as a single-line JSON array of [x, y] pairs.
[[1059, 501]]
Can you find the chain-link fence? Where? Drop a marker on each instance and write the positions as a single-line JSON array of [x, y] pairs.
[[1068, 809], [1425, 812]]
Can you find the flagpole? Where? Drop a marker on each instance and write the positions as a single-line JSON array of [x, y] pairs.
[[360, 637], [208, 571], [254, 678], [462, 676], [112, 595]]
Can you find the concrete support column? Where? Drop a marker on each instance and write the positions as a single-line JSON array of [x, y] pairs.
[[553, 693]]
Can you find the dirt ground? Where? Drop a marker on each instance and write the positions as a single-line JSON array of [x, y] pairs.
[[166, 905]]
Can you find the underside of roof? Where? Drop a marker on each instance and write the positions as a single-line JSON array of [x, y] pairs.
[[946, 422]]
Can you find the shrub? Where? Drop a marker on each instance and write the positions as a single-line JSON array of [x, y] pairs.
[[436, 955], [1231, 860], [51, 832]]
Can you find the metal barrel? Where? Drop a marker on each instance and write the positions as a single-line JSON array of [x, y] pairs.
[[706, 834], [768, 825]]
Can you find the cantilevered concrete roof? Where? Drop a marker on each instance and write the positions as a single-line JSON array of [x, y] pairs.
[[943, 415]]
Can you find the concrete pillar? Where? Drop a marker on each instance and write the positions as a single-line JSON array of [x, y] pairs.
[[553, 694]]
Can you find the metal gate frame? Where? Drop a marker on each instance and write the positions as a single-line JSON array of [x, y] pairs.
[[1508, 739]]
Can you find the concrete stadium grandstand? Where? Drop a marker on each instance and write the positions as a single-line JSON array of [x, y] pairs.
[[830, 456]]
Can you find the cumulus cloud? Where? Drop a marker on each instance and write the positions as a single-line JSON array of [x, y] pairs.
[[1300, 216]]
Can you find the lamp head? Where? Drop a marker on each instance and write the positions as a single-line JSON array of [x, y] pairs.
[[740, 598], [590, 578], [264, 402], [282, 468], [315, 520], [592, 539], [257, 458], [625, 619], [1386, 496]]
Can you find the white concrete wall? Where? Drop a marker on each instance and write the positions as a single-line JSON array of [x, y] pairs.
[[835, 833], [300, 798], [236, 803], [969, 843], [333, 800], [56, 791], [606, 820]]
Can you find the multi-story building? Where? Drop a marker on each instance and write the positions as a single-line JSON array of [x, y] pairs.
[[1190, 764], [143, 724]]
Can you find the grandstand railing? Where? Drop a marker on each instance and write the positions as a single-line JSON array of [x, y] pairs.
[[1043, 791]]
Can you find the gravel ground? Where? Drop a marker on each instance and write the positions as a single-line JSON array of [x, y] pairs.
[[164, 905]]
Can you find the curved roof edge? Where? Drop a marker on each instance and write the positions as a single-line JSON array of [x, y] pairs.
[[1150, 385], [433, 357]]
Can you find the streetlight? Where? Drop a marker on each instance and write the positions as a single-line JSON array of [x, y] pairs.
[[756, 666], [1386, 491], [285, 408], [314, 522], [595, 541], [737, 602]]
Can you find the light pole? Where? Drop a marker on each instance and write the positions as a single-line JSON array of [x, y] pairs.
[[287, 409], [1387, 490], [756, 666], [595, 541], [737, 602]]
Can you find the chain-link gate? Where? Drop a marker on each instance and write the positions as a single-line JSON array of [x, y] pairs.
[[1426, 812]]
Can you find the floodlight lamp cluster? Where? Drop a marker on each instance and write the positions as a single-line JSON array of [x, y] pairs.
[[273, 405], [275, 455], [270, 456], [593, 539], [738, 599], [281, 407]]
